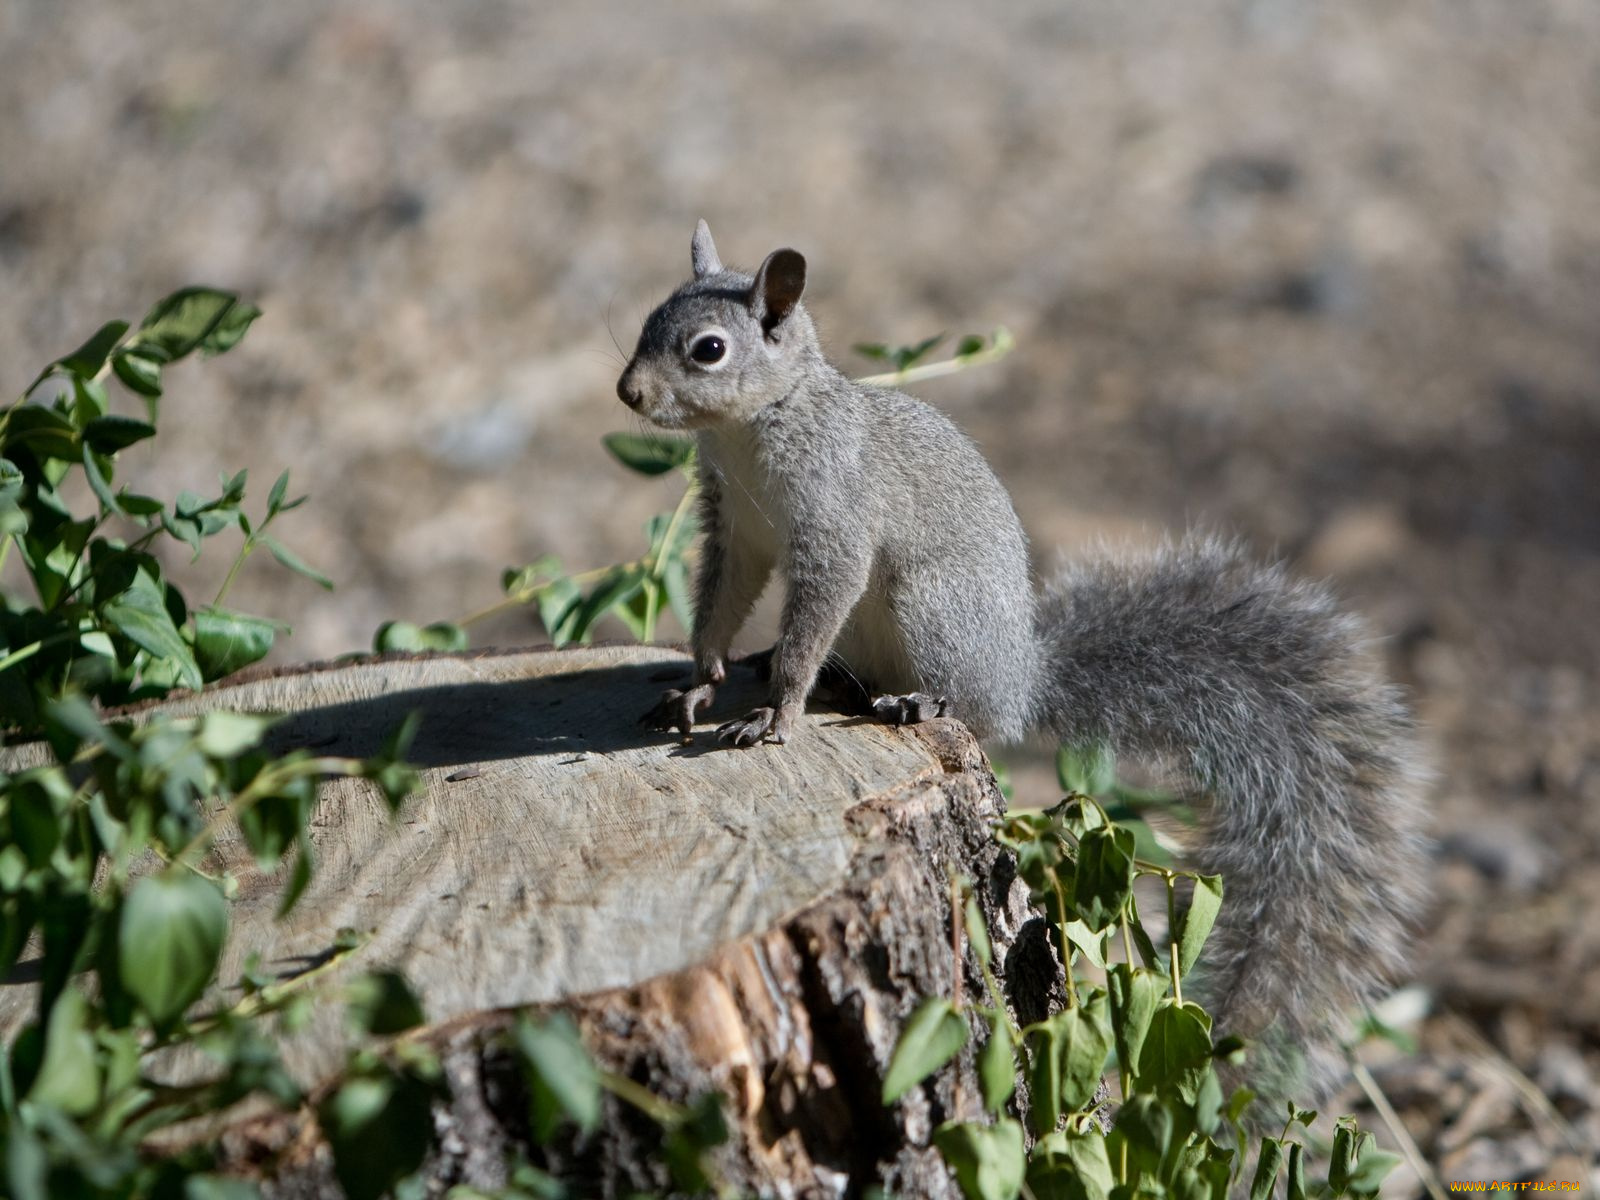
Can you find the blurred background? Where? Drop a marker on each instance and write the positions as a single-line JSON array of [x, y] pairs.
[[1327, 276]]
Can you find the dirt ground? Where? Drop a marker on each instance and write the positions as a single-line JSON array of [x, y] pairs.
[[1327, 276]]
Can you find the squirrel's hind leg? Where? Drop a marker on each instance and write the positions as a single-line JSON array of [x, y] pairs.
[[910, 709]]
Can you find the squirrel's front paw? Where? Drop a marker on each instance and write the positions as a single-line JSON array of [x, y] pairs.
[[677, 709], [758, 724]]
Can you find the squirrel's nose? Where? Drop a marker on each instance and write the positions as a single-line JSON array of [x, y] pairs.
[[627, 392]]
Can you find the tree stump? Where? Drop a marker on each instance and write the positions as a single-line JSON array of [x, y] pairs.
[[759, 922]]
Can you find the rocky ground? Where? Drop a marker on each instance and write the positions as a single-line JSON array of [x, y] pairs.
[[1327, 276]]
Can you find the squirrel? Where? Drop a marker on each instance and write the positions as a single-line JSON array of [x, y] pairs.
[[906, 567]]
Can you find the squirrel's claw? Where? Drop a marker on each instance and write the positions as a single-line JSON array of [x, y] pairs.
[[911, 709], [677, 709], [757, 725]]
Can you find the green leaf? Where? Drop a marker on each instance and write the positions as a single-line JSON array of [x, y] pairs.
[[382, 1003], [1148, 1127], [639, 611], [563, 1081], [988, 1160], [404, 636], [294, 562], [1071, 1165], [997, 1068], [1267, 1167], [74, 716], [1141, 939], [380, 1127], [1176, 1048], [99, 485], [299, 875], [1068, 1052], [169, 939], [275, 822], [38, 801], [140, 506], [1296, 1189], [1090, 770], [977, 930], [185, 529], [140, 614], [616, 587], [280, 487], [107, 435], [1371, 1169], [1078, 815], [1135, 992], [1342, 1158], [43, 432], [969, 345], [675, 578], [649, 454], [520, 583], [1208, 1102], [1087, 942], [703, 1128], [225, 734], [27, 1163], [878, 351], [906, 357], [933, 1036], [219, 1187], [1196, 923], [396, 781], [179, 323], [225, 642], [139, 372], [69, 1075], [13, 486], [227, 332], [1104, 877], [1237, 1103], [88, 358], [560, 602]]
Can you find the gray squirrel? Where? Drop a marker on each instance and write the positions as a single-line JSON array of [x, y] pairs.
[[907, 569]]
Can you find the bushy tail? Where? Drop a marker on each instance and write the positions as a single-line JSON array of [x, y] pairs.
[[1262, 692]]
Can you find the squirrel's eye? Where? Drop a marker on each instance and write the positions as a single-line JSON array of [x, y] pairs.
[[708, 349]]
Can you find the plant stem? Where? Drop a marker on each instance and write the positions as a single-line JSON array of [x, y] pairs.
[[233, 571], [28, 651], [517, 601], [1066, 945], [662, 1112], [1397, 1129], [273, 995], [1172, 934], [955, 944], [1003, 344], [261, 786], [653, 560]]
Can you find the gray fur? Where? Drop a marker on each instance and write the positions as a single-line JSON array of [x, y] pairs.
[[904, 560]]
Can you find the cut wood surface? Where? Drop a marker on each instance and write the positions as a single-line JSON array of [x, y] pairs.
[[758, 921]]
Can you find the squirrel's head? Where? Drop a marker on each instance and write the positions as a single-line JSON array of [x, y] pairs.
[[724, 345]]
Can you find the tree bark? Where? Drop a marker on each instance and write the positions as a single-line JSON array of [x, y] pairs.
[[755, 922]]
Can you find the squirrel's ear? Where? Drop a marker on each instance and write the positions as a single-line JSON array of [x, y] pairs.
[[703, 252], [777, 288]]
